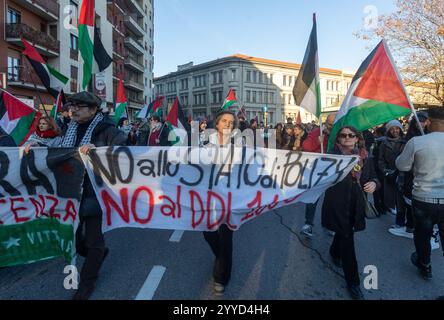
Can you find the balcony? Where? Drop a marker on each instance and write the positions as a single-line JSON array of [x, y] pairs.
[[44, 43], [25, 78], [136, 86], [134, 65], [135, 7], [135, 103], [135, 45], [47, 9], [132, 25]]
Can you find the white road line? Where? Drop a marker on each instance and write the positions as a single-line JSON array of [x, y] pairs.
[[176, 236], [151, 283]]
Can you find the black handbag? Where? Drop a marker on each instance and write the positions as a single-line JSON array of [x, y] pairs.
[[370, 210]]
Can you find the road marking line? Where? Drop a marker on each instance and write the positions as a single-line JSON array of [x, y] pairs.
[[176, 236], [151, 283]]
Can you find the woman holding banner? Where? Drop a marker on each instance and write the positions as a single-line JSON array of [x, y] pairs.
[[47, 134], [221, 241], [343, 210]]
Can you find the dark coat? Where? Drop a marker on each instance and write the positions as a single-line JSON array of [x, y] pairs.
[[343, 210], [105, 134], [145, 134], [389, 150]]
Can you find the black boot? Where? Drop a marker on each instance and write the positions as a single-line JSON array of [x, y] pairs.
[[355, 292], [424, 270]]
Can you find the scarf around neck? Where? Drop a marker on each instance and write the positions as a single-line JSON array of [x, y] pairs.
[[71, 134]]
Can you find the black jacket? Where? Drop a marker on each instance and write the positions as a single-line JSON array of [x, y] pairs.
[[105, 134], [343, 210], [389, 150]]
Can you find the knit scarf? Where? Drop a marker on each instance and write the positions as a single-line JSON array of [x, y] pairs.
[[46, 134], [71, 134]]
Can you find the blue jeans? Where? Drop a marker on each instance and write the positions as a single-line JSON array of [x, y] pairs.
[[426, 215]]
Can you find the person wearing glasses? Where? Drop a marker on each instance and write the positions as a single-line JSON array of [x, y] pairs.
[[89, 129], [343, 210]]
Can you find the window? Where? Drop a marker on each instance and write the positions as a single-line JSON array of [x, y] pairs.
[[289, 99], [261, 77], [254, 76], [233, 74], [248, 95], [74, 13], [184, 100], [13, 69], [184, 84], [13, 16], [254, 96], [284, 82], [74, 42], [260, 97], [248, 76], [271, 97], [74, 72]]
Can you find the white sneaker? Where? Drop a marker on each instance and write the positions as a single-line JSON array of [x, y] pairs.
[[401, 232], [219, 289], [307, 230], [434, 241]]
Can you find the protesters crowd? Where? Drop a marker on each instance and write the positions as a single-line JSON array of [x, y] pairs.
[[402, 169]]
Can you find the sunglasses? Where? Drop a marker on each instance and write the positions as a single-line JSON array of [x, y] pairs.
[[347, 135]]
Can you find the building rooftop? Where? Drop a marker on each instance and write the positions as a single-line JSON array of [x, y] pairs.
[[239, 56]]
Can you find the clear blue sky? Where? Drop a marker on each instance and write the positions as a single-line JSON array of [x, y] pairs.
[[203, 30]]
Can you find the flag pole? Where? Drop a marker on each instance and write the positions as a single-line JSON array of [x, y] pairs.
[[403, 88], [322, 133], [36, 89]]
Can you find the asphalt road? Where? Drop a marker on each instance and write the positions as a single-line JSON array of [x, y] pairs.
[[271, 261]]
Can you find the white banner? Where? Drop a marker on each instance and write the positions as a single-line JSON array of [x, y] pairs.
[[180, 188]]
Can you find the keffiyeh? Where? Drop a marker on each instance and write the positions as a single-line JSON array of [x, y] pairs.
[[71, 134]]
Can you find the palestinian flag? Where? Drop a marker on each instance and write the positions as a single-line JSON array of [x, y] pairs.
[[86, 40], [175, 120], [53, 80], [17, 118], [121, 103], [229, 101], [144, 112], [242, 112], [102, 60], [156, 108], [60, 101], [307, 91], [376, 94]]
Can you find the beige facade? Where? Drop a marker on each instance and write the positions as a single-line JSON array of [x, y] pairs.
[[259, 84]]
